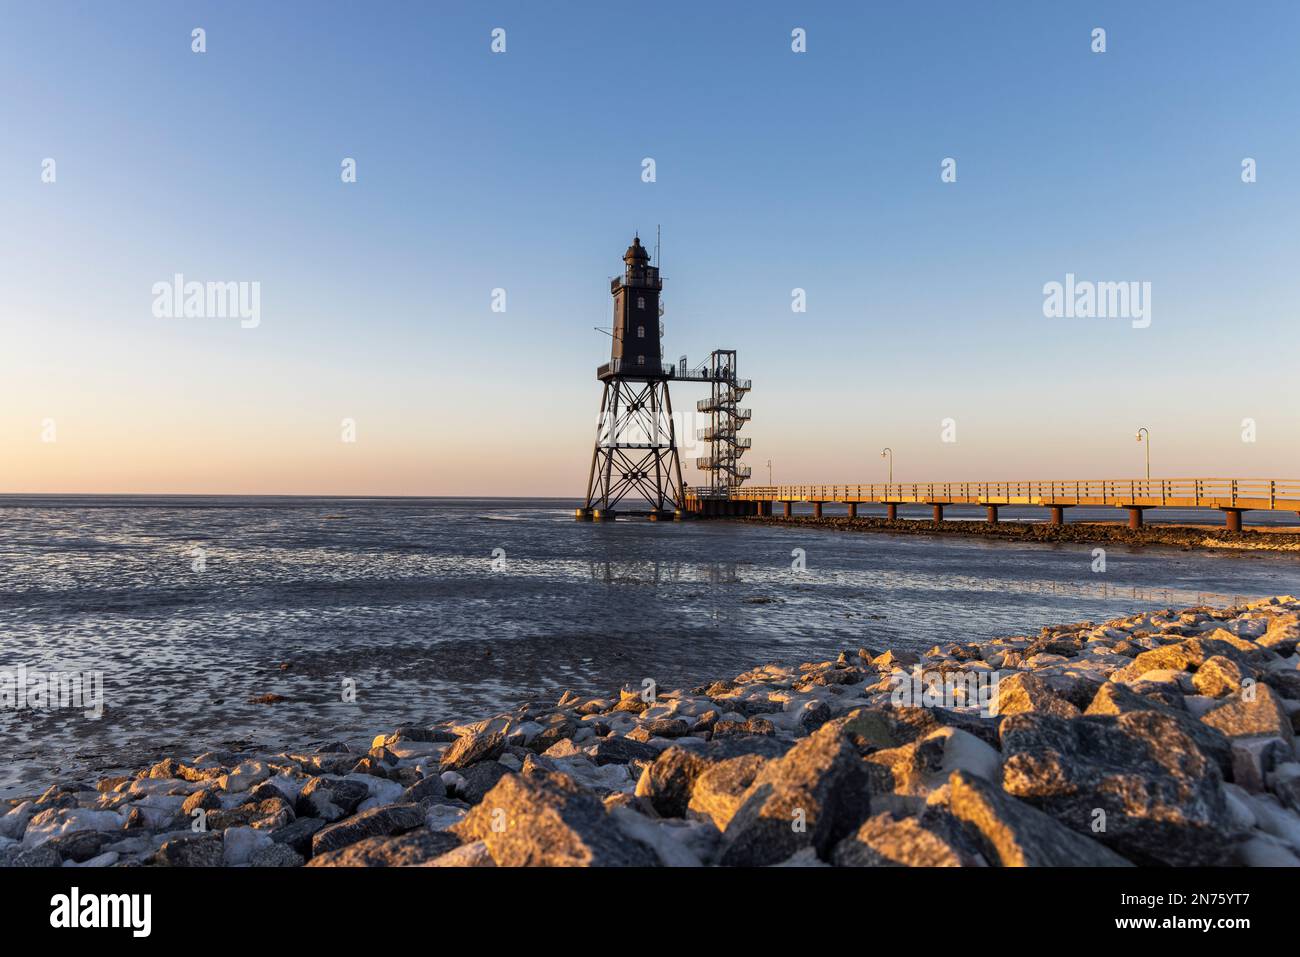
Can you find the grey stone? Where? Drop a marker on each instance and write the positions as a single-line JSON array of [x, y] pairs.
[[411, 849], [813, 796], [1013, 834], [385, 820], [1162, 797], [473, 748], [931, 839], [298, 835], [201, 851], [548, 820]]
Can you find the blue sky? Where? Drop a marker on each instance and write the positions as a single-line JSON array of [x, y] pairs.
[[522, 170]]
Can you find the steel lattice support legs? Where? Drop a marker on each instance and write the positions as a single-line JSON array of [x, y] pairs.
[[636, 450]]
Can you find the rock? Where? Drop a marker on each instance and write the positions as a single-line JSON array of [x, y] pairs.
[[656, 835], [1186, 655], [924, 765], [430, 788], [331, 798], [479, 779], [202, 851], [40, 856], [276, 855], [932, 839], [545, 819], [555, 728], [298, 835], [1013, 834], [1254, 713], [666, 728], [1024, 692], [472, 748], [467, 855], [1219, 676], [205, 798], [621, 750], [240, 843], [386, 820], [667, 782], [1113, 698], [1162, 798], [78, 846], [412, 849], [888, 726], [813, 796], [813, 715], [1254, 758], [719, 790], [56, 821], [244, 776]]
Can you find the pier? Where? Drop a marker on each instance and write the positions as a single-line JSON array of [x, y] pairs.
[[1232, 497]]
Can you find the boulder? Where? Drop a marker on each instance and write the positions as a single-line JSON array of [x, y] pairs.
[[479, 779], [668, 782], [1113, 698], [1024, 692], [202, 851], [298, 835], [1013, 834], [1186, 655], [385, 820], [412, 849], [813, 796], [932, 839], [1219, 676], [331, 798], [1159, 796], [719, 789], [545, 819], [621, 750], [1256, 712], [472, 748]]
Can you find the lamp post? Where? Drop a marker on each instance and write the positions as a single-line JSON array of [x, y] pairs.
[[1147, 433], [769, 472], [888, 453]]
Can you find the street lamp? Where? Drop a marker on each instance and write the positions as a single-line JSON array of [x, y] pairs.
[[889, 453], [769, 472], [1140, 433]]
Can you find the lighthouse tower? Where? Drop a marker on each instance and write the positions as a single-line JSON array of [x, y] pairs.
[[636, 446]]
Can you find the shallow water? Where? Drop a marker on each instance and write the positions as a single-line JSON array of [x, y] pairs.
[[404, 598]]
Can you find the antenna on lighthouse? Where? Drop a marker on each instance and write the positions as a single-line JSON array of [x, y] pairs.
[[657, 263]]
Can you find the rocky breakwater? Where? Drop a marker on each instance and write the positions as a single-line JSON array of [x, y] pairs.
[[1165, 738]]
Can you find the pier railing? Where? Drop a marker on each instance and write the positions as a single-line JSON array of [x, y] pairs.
[[1225, 493]]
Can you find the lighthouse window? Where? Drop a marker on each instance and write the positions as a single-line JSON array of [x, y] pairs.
[[640, 360], [640, 332], [640, 302]]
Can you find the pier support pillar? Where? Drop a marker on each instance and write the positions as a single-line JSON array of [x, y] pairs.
[[1232, 517], [1135, 515], [891, 511], [787, 509], [817, 509], [1058, 515], [991, 514], [582, 514], [938, 513], [603, 515], [853, 510]]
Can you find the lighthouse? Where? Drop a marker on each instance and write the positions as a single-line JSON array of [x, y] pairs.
[[636, 445]]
